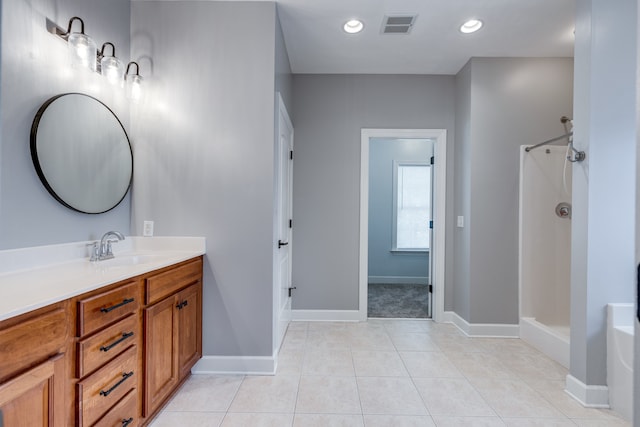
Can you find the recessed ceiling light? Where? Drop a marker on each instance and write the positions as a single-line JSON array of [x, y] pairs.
[[471, 26], [353, 26]]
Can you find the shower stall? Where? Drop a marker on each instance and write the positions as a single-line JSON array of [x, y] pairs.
[[545, 247]]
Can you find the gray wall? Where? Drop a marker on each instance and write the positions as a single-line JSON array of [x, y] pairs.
[[284, 79], [330, 111], [205, 143], [603, 262], [460, 293], [513, 101], [382, 262], [35, 67]]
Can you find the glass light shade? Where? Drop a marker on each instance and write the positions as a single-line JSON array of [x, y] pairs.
[[82, 50], [134, 87], [113, 69]]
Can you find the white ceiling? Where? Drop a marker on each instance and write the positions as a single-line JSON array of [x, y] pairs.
[[316, 42]]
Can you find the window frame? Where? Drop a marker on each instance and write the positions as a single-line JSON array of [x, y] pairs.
[[394, 221]]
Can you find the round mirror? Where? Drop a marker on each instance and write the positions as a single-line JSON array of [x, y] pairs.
[[82, 153]]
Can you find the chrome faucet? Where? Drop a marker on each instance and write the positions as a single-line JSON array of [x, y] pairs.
[[103, 250]]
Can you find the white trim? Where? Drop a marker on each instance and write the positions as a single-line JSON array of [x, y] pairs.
[[590, 396], [546, 340], [439, 212], [243, 365], [482, 330], [399, 280], [326, 315]]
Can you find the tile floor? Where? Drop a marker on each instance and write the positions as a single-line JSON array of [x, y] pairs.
[[388, 373]]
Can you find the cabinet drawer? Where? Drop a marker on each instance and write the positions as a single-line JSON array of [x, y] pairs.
[[124, 414], [100, 310], [32, 340], [103, 389], [103, 346], [164, 284]]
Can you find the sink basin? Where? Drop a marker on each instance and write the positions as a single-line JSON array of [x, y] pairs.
[[129, 260]]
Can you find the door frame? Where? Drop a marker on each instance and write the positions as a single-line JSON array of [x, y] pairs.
[[281, 111], [439, 212]]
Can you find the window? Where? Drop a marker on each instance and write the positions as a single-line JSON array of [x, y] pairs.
[[411, 206]]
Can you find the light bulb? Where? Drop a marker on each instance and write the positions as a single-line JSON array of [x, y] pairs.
[[353, 26], [471, 26]]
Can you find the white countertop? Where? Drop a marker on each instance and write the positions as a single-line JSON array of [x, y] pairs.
[[31, 278]]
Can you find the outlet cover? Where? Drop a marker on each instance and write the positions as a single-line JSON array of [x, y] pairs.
[[147, 229]]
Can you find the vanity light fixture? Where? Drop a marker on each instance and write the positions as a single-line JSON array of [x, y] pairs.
[[85, 53], [111, 67], [82, 48], [353, 26], [133, 82], [471, 26]]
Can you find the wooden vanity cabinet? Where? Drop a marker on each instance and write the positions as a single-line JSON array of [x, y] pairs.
[[33, 376], [173, 330], [107, 358]]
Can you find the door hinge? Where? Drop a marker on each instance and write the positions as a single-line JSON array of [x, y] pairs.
[[291, 289], [291, 155], [430, 289], [433, 160], [431, 224], [290, 223]]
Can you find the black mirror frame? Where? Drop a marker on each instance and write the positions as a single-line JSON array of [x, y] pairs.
[[36, 161]]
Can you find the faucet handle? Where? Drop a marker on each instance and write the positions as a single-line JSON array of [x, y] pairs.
[[95, 251]]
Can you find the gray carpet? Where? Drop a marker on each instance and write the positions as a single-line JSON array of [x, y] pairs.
[[399, 301]]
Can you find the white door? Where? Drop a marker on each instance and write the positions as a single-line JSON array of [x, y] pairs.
[[284, 222]]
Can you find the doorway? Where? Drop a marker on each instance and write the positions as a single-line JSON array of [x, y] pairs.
[[282, 288], [434, 263], [400, 202]]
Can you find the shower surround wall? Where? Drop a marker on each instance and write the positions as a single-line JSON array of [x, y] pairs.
[[545, 251]]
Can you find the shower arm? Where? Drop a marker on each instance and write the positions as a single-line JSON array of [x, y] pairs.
[[549, 141]]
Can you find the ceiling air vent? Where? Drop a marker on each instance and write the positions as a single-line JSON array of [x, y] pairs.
[[398, 24]]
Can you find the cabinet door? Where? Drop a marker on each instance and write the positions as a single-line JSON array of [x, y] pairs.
[[190, 325], [161, 352], [34, 398]]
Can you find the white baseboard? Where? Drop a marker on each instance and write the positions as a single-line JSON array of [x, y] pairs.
[[242, 365], [399, 280], [590, 396], [546, 340], [326, 315], [481, 329]]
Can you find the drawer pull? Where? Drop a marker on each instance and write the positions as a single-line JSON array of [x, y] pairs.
[[116, 342], [127, 421], [125, 375], [113, 307]]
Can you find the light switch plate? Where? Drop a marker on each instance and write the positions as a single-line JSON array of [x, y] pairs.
[[460, 221], [147, 229]]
